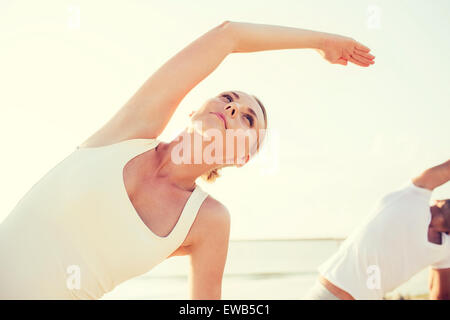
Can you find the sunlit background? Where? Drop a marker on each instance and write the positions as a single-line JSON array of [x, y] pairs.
[[342, 136]]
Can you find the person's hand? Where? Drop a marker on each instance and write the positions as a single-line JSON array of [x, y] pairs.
[[338, 49]]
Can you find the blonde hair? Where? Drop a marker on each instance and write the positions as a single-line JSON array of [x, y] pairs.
[[211, 175]]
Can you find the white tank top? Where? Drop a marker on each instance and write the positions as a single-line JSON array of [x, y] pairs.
[[76, 234], [389, 247]]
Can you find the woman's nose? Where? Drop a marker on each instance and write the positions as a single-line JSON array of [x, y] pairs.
[[231, 110]]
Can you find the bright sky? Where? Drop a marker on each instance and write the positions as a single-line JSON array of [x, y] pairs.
[[341, 136]]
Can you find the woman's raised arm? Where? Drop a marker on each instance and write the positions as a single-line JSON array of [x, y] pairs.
[[157, 99], [336, 49], [149, 110]]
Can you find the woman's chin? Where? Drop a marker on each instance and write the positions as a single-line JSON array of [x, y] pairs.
[[207, 130]]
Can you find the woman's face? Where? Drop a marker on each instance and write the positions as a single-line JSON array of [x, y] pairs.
[[228, 115]]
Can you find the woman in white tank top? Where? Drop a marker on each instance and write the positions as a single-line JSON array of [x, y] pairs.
[[123, 201]]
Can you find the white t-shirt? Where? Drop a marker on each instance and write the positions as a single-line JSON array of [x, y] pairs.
[[389, 247]]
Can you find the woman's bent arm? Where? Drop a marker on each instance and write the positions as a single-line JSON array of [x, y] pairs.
[[208, 254]]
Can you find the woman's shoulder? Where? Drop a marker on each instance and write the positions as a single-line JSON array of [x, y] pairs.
[[212, 210], [212, 217], [109, 135], [212, 204]]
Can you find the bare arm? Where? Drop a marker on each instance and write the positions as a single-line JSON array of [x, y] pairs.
[[157, 99], [148, 111], [434, 177], [208, 255], [251, 37], [439, 284]]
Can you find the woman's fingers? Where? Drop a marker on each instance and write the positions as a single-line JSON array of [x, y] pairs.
[[352, 59], [362, 59], [364, 54], [359, 55], [362, 47]]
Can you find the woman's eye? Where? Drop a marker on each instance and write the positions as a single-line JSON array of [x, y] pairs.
[[228, 97], [250, 119]]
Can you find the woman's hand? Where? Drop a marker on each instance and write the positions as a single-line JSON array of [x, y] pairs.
[[338, 49]]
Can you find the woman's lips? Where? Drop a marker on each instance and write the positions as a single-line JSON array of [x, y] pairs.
[[221, 116]]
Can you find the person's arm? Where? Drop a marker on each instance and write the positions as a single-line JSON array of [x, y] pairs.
[[208, 253], [439, 284], [251, 37], [152, 106], [433, 177]]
